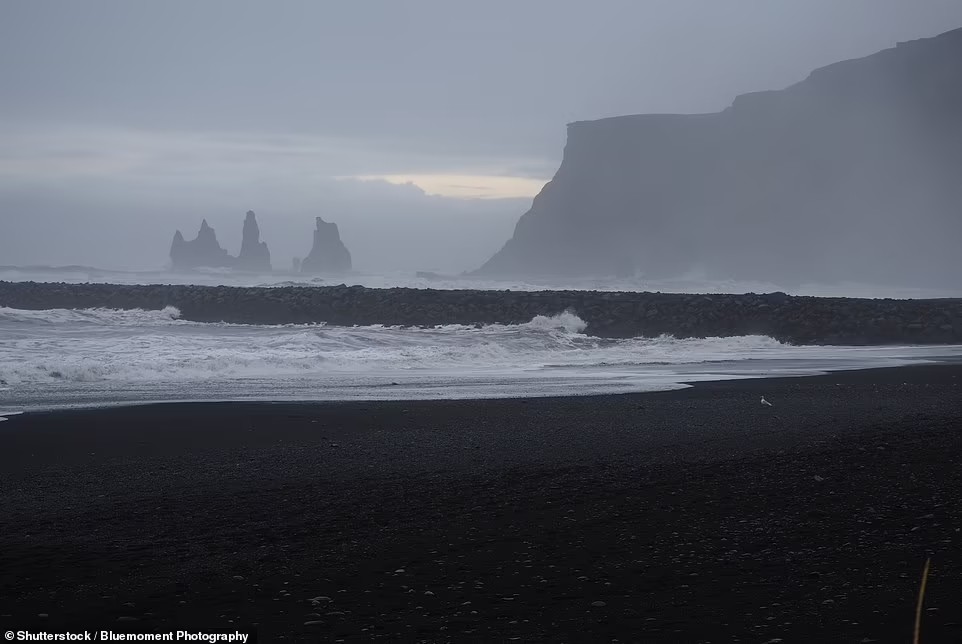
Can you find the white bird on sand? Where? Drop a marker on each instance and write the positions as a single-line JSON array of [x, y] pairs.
[[765, 402]]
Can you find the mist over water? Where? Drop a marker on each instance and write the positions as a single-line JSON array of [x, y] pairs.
[[693, 282]]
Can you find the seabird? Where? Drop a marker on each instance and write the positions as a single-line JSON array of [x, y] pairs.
[[765, 402]]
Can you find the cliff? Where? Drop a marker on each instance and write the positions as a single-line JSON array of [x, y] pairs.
[[201, 251], [854, 173], [254, 254], [328, 254]]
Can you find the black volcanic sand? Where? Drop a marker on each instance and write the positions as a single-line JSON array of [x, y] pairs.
[[688, 516]]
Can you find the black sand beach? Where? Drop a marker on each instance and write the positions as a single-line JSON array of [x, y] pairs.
[[690, 516]]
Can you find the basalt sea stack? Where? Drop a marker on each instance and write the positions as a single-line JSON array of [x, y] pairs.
[[205, 251], [201, 251], [852, 174], [254, 255], [328, 254]]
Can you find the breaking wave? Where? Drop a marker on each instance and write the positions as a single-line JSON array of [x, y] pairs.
[[108, 355], [134, 345], [99, 316]]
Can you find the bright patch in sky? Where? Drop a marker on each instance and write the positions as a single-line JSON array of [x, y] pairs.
[[466, 186], [178, 160]]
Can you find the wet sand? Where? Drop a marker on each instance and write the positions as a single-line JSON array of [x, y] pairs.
[[689, 516]]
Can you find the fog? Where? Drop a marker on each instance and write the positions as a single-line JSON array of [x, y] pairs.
[[422, 128]]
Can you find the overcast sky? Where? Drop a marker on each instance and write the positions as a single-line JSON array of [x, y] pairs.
[[123, 111]]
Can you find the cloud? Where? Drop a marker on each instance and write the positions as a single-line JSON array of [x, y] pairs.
[[467, 186], [133, 159]]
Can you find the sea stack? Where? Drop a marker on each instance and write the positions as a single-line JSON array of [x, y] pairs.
[[254, 254], [201, 251], [328, 254]]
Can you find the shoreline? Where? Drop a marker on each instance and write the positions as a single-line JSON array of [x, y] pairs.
[[690, 515], [684, 385]]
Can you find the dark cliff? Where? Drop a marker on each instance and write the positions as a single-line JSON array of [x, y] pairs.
[[328, 254], [852, 174]]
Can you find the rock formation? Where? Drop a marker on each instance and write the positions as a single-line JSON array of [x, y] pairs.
[[202, 251], [328, 254], [254, 255], [852, 174]]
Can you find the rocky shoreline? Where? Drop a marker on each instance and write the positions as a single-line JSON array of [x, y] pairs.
[[794, 319]]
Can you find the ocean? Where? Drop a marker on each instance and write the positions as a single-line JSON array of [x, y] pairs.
[[69, 358]]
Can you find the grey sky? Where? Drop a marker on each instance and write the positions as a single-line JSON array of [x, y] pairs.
[[212, 107]]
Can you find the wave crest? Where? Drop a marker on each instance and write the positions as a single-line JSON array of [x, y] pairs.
[[98, 316], [567, 321]]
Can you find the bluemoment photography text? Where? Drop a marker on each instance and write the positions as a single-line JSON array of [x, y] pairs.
[[111, 636]]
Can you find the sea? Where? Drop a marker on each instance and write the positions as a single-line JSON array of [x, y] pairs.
[[60, 358]]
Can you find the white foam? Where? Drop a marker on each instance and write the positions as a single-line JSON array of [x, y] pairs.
[[100, 316], [111, 355]]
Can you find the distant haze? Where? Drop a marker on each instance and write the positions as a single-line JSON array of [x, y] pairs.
[[422, 127]]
